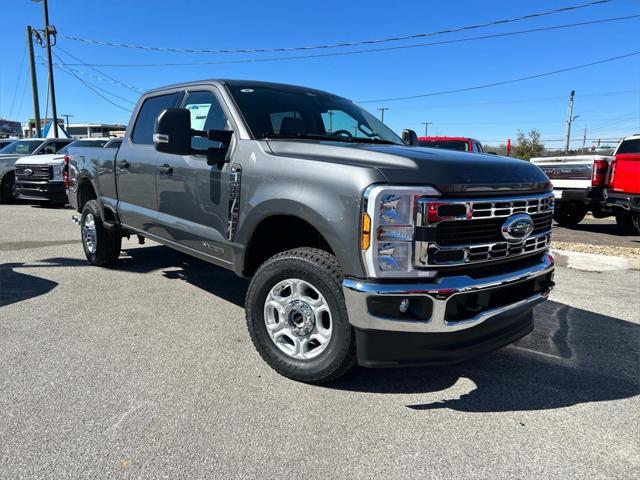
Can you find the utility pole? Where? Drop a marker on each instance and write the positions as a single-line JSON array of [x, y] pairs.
[[570, 119], [584, 139], [34, 82], [426, 128], [382, 110], [48, 31], [66, 115]]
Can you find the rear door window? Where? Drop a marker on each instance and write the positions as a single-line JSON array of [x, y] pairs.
[[146, 121]]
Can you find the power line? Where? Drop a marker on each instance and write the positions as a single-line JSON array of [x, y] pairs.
[[108, 79], [15, 91], [504, 82], [64, 68], [357, 52], [338, 45], [534, 99], [93, 88]]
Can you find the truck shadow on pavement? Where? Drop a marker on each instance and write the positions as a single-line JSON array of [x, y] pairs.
[[16, 286], [573, 356], [206, 276]]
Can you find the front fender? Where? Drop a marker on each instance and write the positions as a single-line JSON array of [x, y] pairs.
[[332, 209]]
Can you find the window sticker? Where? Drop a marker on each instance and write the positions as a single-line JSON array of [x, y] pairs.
[[199, 112]]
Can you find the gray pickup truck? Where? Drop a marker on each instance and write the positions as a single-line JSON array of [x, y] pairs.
[[362, 247]]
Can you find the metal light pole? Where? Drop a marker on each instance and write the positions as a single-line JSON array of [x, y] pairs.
[[426, 128], [66, 116], [48, 31], [382, 110], [34, 82]]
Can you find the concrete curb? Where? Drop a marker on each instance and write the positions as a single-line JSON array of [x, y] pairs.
[[590, 262]]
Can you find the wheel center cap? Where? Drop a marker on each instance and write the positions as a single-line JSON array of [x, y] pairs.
[[300, 317]]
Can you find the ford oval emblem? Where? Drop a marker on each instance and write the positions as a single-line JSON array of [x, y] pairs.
[[517, 227], [28, 172]]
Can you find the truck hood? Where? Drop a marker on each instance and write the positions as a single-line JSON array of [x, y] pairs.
[[48, 159], [449, 171]]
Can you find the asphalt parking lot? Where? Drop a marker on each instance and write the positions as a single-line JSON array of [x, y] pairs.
[[147, 371], [596, 231]]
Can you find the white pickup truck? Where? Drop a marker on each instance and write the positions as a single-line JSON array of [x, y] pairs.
[[578, 185]]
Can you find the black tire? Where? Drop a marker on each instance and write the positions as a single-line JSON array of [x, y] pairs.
[[569, 216], [320, 269], [107, 246], [628, 223], [8, 192]]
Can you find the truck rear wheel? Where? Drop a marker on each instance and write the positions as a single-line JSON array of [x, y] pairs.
[[101, 246], [628, 223], [297, 317], [569, 216]]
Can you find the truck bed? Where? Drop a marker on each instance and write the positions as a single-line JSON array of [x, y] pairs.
[[569, 172]]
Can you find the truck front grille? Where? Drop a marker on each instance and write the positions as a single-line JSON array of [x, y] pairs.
[[465, 232], [34, 172], [460, 232]]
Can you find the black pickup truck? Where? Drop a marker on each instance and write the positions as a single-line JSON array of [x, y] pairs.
[[362, 246]]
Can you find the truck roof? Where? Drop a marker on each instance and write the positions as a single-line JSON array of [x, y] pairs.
[[443, 139], [243, 83]]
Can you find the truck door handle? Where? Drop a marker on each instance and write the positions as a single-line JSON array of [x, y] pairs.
[[123, 163], [166, 168]]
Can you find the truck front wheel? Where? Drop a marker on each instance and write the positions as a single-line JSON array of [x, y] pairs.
[[297, 317], [569, 216], [101, 246]]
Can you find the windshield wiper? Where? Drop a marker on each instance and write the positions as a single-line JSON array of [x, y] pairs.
[[332, 138]]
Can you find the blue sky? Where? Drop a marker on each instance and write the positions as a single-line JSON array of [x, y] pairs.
[[607, 96]]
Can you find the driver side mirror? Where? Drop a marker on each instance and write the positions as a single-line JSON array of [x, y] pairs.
[[173, 131], [173, 135], [410, 137]]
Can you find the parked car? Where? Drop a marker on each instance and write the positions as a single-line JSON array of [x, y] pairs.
[[463, 144], [6, 141], [623, 186], [361, 245], [10, 154], [39, 177], [578, 186]]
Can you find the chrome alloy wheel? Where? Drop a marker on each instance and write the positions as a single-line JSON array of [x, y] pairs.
[[89, 235], [298, 319]]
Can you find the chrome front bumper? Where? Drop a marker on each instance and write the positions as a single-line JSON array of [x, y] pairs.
[[440, 292]]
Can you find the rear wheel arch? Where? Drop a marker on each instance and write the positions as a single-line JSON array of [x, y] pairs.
[[85, 192]]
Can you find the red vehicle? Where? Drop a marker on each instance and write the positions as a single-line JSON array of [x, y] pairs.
[[623, 192], [463, 144]]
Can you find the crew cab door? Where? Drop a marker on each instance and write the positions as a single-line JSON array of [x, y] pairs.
[[193, 197], [136, 166]]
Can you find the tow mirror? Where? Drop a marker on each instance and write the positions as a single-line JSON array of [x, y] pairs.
[[409, 137], [173, 131], [173, 135]]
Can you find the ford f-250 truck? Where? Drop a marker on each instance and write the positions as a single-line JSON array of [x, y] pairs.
[[362, 246]]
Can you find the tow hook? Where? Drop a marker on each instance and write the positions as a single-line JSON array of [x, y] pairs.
[[76, 219]]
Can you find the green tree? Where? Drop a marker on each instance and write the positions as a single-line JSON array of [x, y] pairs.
[[528, 145]]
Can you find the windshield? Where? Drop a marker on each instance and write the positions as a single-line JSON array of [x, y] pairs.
[[460, 145], [83, 143], [290, 112], [22, 147]]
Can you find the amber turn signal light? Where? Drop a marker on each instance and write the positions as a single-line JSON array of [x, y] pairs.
[[366, 231]]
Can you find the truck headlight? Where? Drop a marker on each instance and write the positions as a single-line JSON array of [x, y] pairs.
[[57, 173], [387, 230]]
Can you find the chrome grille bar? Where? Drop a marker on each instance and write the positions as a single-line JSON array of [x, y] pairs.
[[434, 212]]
